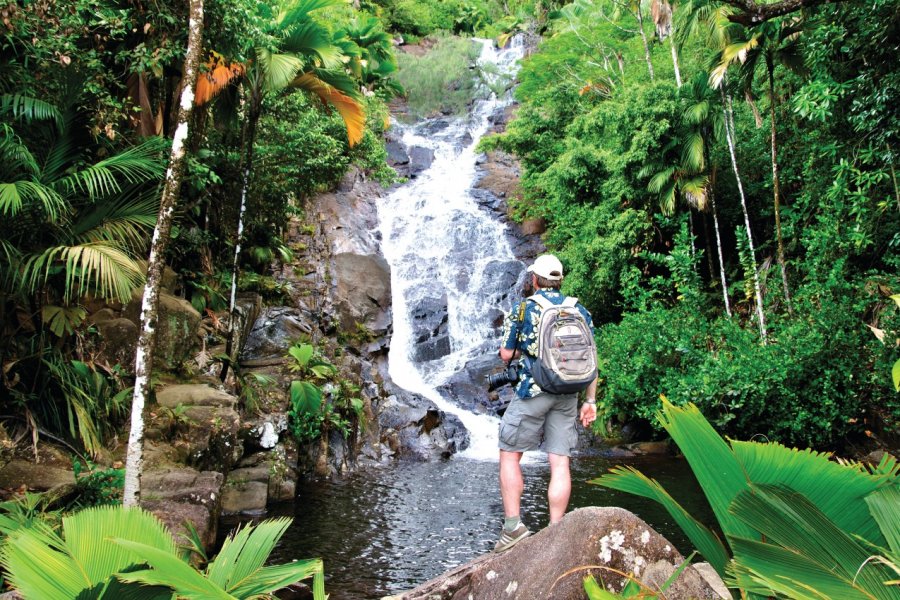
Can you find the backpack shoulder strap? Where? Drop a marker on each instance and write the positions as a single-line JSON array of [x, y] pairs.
[[570, 302], [541, 301]]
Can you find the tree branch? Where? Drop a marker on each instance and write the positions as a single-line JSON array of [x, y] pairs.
[[753, 14]]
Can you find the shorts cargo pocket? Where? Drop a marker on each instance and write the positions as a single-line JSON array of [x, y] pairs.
[[509, 431]]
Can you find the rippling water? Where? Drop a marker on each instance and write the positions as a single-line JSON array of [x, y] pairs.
[[386, 531]]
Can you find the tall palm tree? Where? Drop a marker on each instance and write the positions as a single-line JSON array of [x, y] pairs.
[[771, 42], [300, 54], [709, 20], [688, 172], [661, 11]]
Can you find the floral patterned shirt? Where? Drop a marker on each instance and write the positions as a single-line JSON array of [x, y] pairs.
[[523, 336]]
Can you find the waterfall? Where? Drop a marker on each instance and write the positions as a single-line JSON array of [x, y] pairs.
[[445, 253]]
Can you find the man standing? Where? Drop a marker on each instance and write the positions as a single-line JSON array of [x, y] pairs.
[[534, 413]]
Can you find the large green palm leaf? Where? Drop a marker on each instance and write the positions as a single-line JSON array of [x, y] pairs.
[[835, 489], [100, 268], [82, 562], [805, 554], [110, 176]]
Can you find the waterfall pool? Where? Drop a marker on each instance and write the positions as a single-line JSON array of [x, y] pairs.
[[385, 531]]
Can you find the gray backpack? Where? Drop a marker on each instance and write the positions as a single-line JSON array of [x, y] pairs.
[[567, 355]]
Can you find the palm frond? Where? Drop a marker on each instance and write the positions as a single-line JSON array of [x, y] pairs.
[[244, 553], [660, 179], [835, 489], [128, 218], [43, 565], [695, 191], [789, 520], [29, 109], [351, 111], [96, 267], [135, 165], [169, 570], [218, 75], [735, 52], [277, 70], [693, 152], [313, 40], [720, 474], [629, 479], [16, 195], [268, 579], [883, 505]]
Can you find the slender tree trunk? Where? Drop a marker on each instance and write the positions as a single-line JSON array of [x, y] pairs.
[[253, 114], [730, 135], [640, 18], [675, 57], [893, 174], [693, 237], [715, 212], [710, 265], [143, 361], [776, 186]]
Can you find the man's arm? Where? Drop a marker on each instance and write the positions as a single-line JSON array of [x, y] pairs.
[[588, 412]]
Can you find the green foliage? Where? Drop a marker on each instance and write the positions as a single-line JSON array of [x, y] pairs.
[[633, 588], [98, 486], [118, 552], [797, 524], [443, 80]]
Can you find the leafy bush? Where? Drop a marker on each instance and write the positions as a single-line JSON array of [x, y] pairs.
[[443, 80]]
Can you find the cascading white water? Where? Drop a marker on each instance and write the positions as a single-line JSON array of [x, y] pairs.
[[439, 243]]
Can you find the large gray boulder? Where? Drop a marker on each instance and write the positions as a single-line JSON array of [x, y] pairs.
[[602, 541], [176, 329], [361, 291]]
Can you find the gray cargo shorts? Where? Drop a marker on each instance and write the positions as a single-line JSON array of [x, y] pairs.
[[549, 416]]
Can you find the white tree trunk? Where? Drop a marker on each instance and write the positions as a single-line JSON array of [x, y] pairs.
[[675, 58], [640, 18], [143, 361], [730, 135], [715, 212]]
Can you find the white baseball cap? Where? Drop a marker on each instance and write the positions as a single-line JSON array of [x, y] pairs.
[[548, 267]]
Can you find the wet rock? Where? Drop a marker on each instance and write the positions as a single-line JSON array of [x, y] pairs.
[[211, 440], [274, 331], [419, 159], [415, 428], [396, 153], [245, 497], [547, 564], [430, 334], [361, 292]]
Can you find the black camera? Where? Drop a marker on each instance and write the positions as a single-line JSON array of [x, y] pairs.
[[508, 375]]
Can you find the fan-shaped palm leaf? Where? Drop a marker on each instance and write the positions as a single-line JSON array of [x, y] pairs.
[[298, 11], [630, 480], [884, 505], [277, 71], [79, 564], [311, 39], [826, 559], [169, 570], [351, 110]]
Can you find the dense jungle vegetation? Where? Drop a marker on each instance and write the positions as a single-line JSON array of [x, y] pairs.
[[719, 178], [723, 190]]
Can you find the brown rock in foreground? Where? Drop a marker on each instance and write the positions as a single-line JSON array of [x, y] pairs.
[[551, 564]]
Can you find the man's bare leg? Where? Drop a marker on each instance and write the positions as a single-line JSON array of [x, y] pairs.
[[560, 487], [511, 483]]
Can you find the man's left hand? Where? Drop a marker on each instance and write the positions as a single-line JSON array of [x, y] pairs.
[[588, 414]]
